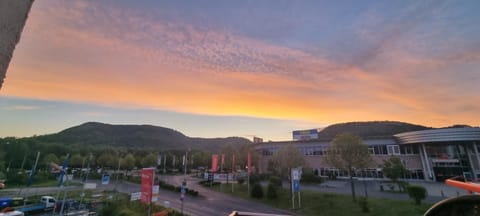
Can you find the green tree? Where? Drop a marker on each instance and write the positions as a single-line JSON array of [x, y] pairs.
[[150, 160], [76, 161], [106, 159], [393, 169], [347, 152], [49, 158], [128, 162], [286, 158]]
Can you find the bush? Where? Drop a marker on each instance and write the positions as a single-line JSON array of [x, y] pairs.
[[271, 191], [207, 183], [241, 180], [417, 193], [263, 176], [254, 179], [363, 202], [257, 191], [276, 181]]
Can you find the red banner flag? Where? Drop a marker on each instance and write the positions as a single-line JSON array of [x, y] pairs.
[[249, 163], [214, 163], [223, 161], [148, 175]]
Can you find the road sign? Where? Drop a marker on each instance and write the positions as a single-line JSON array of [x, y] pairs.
[[296, 185], [90, 185], [296, 173], [135, 196], [155, 193], [105, 179]]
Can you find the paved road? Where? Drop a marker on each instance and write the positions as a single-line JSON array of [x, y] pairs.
[[215, 203], [208, 203]]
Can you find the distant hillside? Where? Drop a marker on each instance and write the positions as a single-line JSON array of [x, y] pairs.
[[136, 136], [369, 129]]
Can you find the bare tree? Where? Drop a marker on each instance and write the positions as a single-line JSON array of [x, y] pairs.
[[286, 158], [347, 152]]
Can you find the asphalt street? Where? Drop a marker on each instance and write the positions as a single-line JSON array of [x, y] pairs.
[[207, 203]]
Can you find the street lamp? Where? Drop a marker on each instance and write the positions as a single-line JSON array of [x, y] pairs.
[[184, 183]]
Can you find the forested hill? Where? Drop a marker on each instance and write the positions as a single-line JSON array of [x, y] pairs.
[[369, 129], [135, 136]]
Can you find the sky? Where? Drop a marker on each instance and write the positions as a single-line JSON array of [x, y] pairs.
[[243, 68]]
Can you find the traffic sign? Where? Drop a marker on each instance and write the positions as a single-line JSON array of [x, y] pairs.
[[296, 185], [105, 179]]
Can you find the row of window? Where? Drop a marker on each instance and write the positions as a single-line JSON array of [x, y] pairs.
[[367, 173], [374, 150]]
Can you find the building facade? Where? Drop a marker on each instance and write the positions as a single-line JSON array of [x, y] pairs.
[[431, 155]]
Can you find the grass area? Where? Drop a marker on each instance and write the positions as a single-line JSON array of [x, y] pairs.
[[318, 203]]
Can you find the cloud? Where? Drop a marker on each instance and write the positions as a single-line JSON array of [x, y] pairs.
[[22, 107], [85, 51]]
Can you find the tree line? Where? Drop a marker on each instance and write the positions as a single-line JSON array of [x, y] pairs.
[[20, 153]]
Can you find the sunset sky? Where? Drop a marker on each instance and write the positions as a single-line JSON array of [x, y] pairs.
[[242, 68]]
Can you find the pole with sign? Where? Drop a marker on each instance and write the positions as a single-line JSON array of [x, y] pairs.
[[295, 176]]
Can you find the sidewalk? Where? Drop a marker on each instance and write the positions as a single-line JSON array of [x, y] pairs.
[[436, 191]]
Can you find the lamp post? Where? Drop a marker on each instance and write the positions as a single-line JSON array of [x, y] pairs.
[[184, 183]]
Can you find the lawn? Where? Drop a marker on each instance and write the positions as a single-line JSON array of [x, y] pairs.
[[318, 203]]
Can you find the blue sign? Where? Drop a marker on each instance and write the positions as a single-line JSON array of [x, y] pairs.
[[183, 190], [296, 185], [105, 179]]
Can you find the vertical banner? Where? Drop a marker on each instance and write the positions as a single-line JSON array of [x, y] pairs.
[[214, 163], [62, 173], [249, 163], [159, 159], [148, 175], [223, 162], [165, 163]]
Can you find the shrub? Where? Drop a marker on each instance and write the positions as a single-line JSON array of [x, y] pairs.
[[417, 193], [254, 179], [263, 176], [241, 180], [276, 181], [271, 191], [257, 191], [363, 202]]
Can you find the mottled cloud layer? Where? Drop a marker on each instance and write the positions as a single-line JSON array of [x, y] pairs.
[[415, 62]]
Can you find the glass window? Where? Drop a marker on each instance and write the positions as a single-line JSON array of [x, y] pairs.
[[393, 150]]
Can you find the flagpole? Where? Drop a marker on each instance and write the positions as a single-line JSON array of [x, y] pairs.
[[233, 169]]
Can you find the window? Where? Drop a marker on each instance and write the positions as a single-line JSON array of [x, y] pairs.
[[393, 150], [408, 150]]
